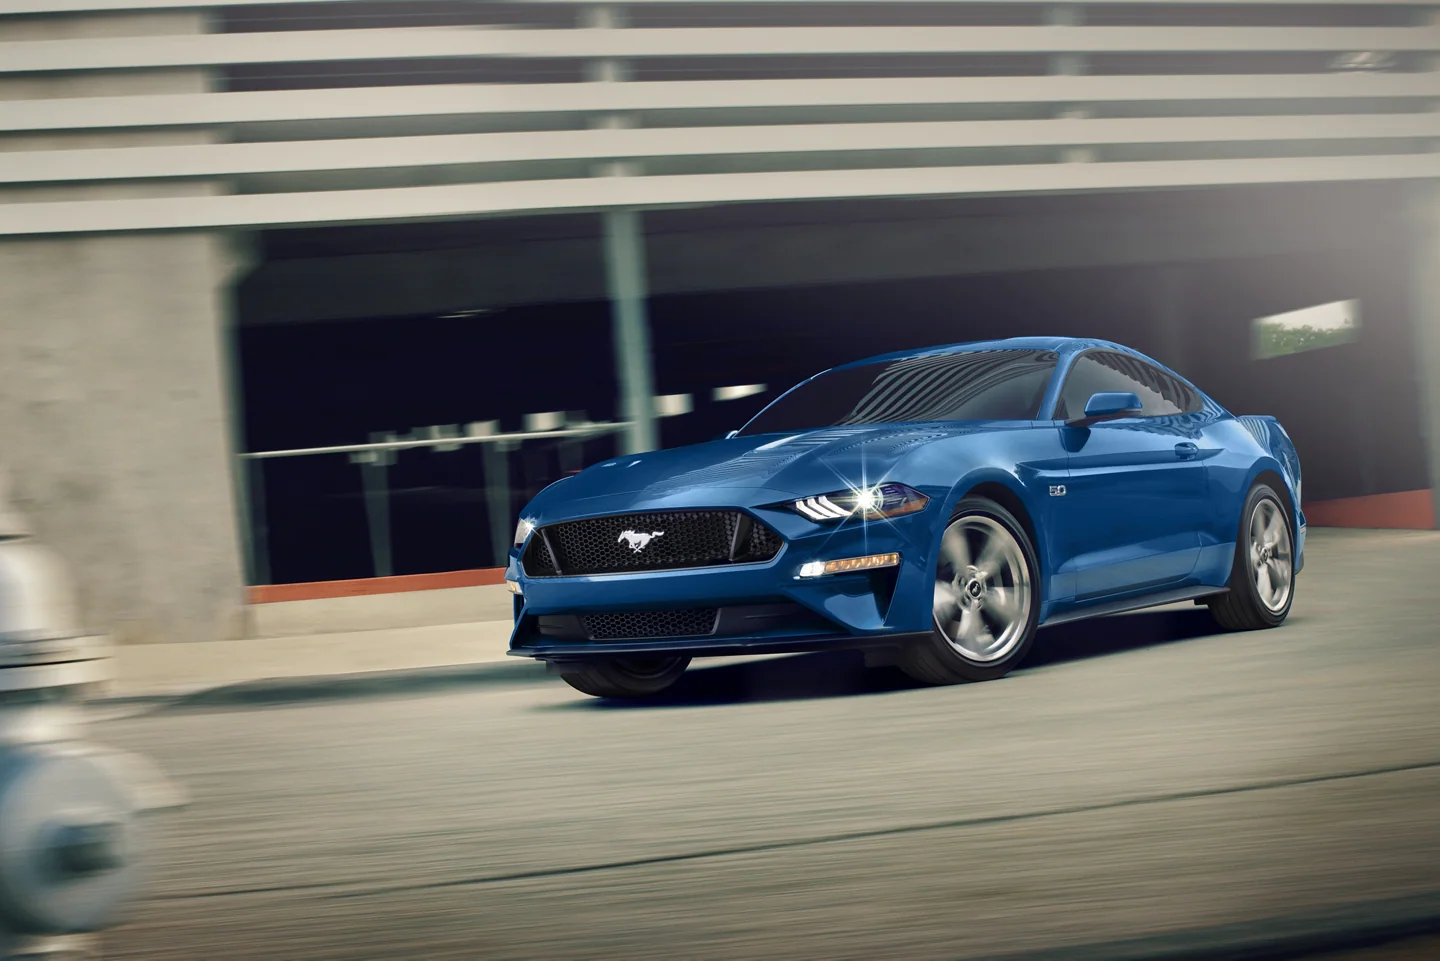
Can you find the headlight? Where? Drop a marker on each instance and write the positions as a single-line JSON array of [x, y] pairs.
[[867, 503], [522, 531]]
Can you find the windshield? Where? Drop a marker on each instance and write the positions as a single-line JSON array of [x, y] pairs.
[[974, 385]]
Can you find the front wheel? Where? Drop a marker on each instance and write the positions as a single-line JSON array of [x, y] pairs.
[[986, 602], [624, 676], [1262, 580]]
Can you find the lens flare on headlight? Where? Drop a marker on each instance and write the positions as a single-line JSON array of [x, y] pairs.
[[870, 503]]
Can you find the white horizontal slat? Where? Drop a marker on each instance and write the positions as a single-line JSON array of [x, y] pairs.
[[446, 42], [1192, 3], [463, 99], [82, 6], [210, 160], [598, 193]]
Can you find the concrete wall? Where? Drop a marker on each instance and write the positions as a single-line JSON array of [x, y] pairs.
[[113, 423], [114, 429]]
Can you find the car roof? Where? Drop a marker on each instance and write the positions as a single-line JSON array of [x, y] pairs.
[[1060, 345]]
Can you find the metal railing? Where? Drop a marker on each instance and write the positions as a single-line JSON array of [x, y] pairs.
[[376, 457]]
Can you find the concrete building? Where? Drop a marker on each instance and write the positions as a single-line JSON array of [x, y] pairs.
[[667, 181]]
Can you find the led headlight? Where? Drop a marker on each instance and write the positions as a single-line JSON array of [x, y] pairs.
[[522, 531], [869, 503]]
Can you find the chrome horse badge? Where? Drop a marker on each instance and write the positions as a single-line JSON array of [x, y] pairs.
[[636, 540]]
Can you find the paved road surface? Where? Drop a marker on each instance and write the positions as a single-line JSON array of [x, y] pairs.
[[1143, 775]]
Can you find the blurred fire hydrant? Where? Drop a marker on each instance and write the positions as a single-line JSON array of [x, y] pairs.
[[70, 837]]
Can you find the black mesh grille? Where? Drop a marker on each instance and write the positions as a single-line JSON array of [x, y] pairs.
[[537, 559], [692, 622], [764, 543], [663, 540]]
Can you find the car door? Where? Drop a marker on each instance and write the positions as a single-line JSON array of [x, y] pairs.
[[1135, 499]]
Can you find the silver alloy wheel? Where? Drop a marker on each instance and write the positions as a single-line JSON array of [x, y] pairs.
[[982, 589], [1271, 564]]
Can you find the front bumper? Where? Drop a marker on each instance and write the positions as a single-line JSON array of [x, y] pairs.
[[860, 609], [720, 646]]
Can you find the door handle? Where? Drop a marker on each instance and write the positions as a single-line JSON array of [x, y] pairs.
[[1186, 450]]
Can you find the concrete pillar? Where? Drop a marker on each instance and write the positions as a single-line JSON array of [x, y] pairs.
[[1070, 65], [242, 257], [1066, 15], [625, 271], [112, 392], [115, 429], [1424, 209], [624, 252]]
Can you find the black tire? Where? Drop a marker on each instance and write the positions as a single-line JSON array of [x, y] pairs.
[[624, 677], [1241, 608], [937, 660]]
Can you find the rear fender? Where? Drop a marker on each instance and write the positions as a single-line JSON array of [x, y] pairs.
[[1269, 433], [1283, 460]]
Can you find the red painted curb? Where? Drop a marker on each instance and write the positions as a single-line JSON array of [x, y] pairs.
[[1406, 510], [273, 593]]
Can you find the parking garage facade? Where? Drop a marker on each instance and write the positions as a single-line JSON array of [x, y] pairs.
[[510, 239]]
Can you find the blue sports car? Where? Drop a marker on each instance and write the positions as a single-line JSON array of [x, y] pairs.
[[934, 507]]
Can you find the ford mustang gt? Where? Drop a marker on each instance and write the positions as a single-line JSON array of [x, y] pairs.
[[933, 507]]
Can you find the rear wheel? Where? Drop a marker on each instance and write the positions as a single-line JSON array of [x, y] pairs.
[[624, 676], [1262, 580], [985, 604]]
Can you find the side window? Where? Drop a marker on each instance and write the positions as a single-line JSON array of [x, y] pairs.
[[1173, 391], [1098, 371], [1092, 373]]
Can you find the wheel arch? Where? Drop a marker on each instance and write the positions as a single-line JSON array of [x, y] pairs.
[[1008, 493], [936, 660], [1007, 499], [1269, 472]]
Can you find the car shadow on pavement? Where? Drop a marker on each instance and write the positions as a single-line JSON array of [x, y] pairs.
[[1118, 633], [843, 673]]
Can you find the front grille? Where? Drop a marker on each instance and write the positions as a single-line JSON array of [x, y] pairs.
[[657, 541], [692, 622], [764, 542]]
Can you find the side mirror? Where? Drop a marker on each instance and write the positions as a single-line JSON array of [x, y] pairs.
[[1107, 405]]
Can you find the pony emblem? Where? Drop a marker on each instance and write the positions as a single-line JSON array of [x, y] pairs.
[[636, 540]]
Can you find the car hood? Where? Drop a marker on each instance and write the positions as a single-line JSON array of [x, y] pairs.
[[741, 471]]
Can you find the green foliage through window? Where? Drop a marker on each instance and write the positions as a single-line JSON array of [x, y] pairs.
[[1273, 340], [1325, 325]]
